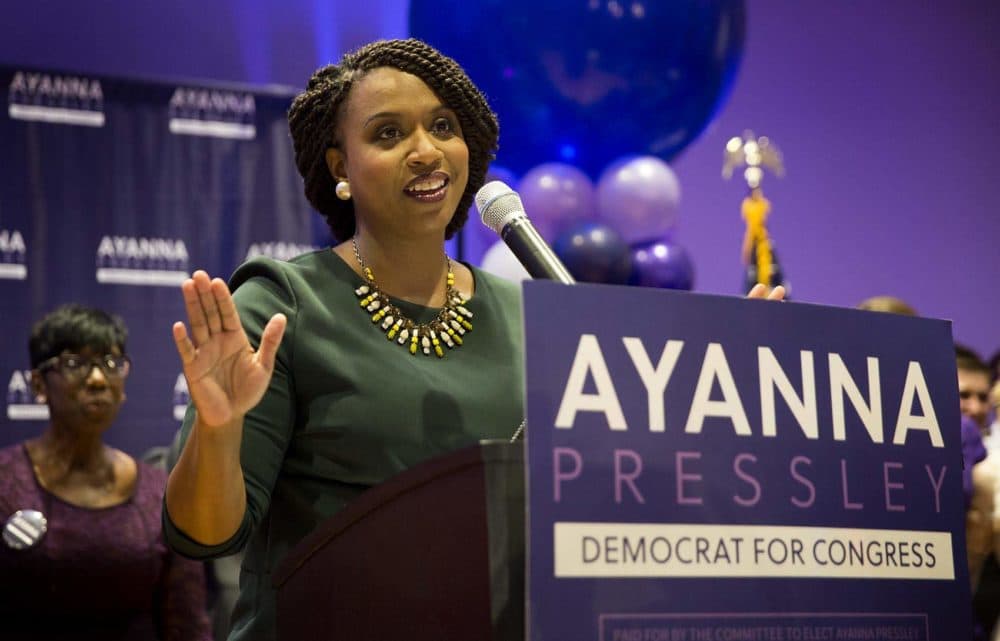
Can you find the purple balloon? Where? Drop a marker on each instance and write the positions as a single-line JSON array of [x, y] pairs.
[[638, 195], [662, 264], [556, 196]]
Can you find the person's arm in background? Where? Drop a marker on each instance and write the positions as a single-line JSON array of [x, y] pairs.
[[995, 402], [180, 601], [979, 479], [980, 516]]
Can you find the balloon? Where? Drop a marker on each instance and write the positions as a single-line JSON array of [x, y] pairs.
[[555, 197], [502, 262], [639, 197], [477, 238], [662, 264], [585, 81], [594, 253]]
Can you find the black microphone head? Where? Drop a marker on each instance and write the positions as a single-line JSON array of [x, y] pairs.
[[498, 205]]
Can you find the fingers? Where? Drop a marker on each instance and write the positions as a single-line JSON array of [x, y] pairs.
[[195, 314], [761, 291], [209, 306], [270, 339], [185, 348], [228, 315], [208, 303]]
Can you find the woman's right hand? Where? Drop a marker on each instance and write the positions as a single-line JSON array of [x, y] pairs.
[[226, 377]]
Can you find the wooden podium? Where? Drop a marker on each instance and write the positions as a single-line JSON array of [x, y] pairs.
[[434, 553]]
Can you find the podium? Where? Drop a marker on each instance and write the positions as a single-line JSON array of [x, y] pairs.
[[701, 467], [436, 552]]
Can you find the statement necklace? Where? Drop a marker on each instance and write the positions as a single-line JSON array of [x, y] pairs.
[[448, 327]]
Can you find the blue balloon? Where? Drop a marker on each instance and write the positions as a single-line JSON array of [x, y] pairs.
[[587, 81], [662, 264], [594, 253]]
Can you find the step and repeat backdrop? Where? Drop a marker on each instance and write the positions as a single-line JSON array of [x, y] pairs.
[[111, 192]]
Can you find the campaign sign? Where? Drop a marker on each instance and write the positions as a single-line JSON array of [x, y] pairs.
[[706, 468]]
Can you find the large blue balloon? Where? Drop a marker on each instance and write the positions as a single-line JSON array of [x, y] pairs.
[[588, 81]]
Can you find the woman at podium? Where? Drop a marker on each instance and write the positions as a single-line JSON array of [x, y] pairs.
[[320, 377]]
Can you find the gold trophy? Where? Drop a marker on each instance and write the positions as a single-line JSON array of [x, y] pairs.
[[756, 154]]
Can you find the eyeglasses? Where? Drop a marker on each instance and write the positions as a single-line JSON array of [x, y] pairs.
[[76, 367]]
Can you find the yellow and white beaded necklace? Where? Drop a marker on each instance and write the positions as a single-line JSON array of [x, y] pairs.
[[448, 327]]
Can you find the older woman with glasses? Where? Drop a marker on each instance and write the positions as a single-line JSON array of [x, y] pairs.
[[82, 554]]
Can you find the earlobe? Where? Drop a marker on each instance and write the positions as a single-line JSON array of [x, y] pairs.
[[335, 164], [37, 387]]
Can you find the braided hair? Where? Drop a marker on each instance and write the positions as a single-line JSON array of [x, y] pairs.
[[314, 114]]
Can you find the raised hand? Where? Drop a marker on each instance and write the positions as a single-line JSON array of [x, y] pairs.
[[225, 376]]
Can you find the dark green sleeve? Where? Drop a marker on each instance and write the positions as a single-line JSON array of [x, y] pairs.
[[261, 288]]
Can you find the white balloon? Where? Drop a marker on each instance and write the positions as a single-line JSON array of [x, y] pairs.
[[501, 261]]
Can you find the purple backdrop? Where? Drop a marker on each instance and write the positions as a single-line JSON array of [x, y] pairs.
[[884, 112]]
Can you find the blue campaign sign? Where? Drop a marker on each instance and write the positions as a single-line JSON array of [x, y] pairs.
[[720, 469]]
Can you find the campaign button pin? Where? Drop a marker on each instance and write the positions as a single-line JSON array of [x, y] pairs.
[[24, 529]]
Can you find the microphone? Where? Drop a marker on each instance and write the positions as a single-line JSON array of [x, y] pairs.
[[501, 210]]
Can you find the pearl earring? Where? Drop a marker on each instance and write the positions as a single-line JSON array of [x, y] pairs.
[[343, 190]]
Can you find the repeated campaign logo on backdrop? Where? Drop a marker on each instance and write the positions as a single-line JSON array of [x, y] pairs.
[[13, 254], [127, 260], [213, 112], [139, 247], [278, 250], [21, 403], [63, 99]]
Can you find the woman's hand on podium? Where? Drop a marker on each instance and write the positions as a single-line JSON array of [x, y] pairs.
[[226, 377], [762, 291]]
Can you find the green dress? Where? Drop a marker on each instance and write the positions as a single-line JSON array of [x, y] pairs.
[[347, 408]]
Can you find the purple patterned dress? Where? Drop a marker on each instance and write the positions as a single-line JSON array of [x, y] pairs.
[[100, 573]]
